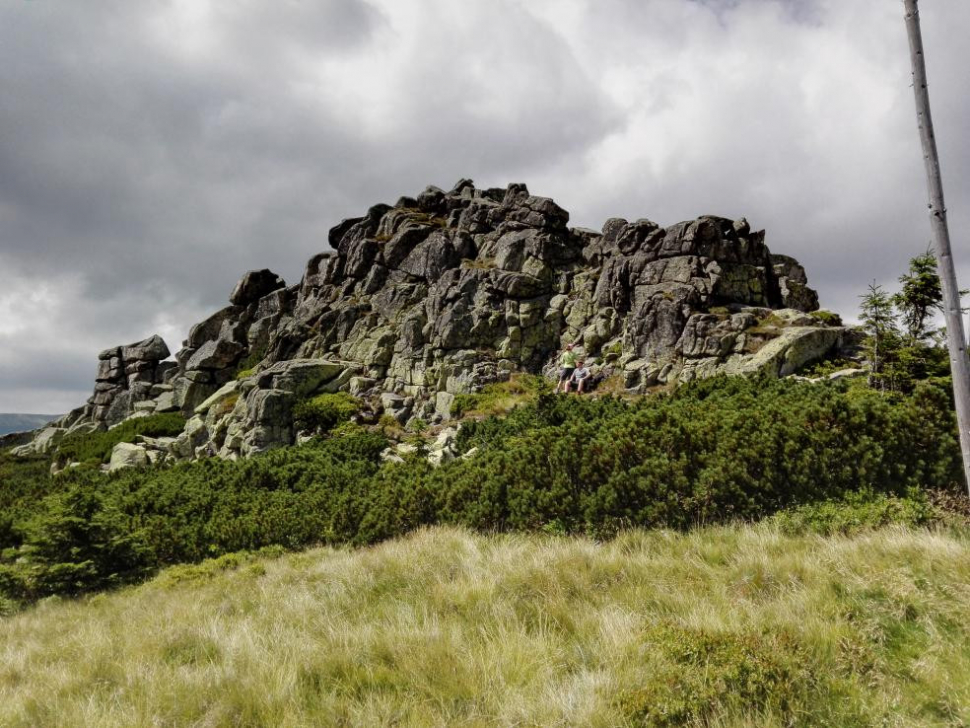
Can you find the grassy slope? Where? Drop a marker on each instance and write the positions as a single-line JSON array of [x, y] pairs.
[[726, 626]]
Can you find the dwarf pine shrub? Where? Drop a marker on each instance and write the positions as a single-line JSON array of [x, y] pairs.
[[95, 447], [325, 411], [713, 452]]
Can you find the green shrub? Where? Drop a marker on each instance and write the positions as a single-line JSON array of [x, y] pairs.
[[390, 427], [95, 447], [827, 318], [713, 451], [828, 365], [92, 530], [701, 676], [24, 481], [247, 365], [613, 350], [858, 511], [75, 543], [325, 411], [417, 425]]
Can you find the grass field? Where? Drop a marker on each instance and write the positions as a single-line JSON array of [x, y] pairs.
[[740, 626]]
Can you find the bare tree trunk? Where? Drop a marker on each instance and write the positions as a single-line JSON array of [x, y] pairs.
[[956, 341]]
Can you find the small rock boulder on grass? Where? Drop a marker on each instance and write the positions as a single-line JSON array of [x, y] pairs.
[[127, 455]]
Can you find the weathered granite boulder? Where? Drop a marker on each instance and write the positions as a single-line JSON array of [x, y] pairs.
[[127, 455], [152, 350], [14, 440], [42, 442], [793, 348], [244, 417], [215, 354], [125, 378], [254, 285]]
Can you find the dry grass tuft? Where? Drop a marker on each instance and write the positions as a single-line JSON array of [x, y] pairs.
[[731, 626]]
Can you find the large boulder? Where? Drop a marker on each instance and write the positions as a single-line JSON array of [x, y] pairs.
[[793, 348], [125, 379], [300, 376], [127, 455], [254, 285], [216, 354], [152, 349], [40, 443]]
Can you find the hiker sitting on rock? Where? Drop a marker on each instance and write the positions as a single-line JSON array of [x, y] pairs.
[[567, 365], [580, 376]]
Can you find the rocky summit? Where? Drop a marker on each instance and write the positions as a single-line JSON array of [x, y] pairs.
[[443, 293]]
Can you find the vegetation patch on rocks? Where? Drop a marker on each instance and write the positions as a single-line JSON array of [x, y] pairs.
[[94, 448]]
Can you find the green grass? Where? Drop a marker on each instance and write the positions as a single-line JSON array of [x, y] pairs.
[[828, 318], [769, 327], [864, 510], [726, 626], [325, 411], [95, 447], [478, 263], [500, 398], [248, 365]]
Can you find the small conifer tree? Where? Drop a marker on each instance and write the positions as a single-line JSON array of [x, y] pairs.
[[920, 296], [882, 334]]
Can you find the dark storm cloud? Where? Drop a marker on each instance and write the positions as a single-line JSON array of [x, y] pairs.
[[127, 163], [152, 152], [145, 146], [57, 370]]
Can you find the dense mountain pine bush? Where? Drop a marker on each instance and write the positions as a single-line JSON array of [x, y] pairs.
[[713, 451]]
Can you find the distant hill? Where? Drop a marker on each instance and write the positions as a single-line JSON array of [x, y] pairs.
[[22, 422]]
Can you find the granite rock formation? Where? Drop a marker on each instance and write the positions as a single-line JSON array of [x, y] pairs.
[[445, 292]]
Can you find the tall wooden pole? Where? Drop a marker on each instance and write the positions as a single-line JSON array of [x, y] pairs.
[[956, 340]]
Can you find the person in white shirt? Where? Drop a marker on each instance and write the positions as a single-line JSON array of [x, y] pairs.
[[580, 375]]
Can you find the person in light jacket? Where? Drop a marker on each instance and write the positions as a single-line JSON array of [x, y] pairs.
[[567, 365], [580, 376]]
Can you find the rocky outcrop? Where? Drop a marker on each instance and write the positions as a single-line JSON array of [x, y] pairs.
[[127, 376], [445, 292]]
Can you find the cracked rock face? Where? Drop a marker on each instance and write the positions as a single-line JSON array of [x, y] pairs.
[[128, 375], [445, 292]]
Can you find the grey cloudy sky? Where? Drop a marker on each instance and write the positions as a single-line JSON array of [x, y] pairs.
[[152, 152]]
